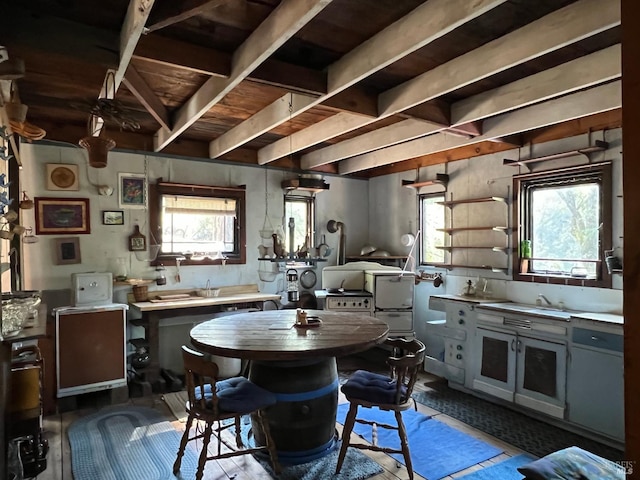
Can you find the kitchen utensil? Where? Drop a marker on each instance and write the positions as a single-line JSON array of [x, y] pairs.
[[308, 279], [407, 239], [323, 249], [367, 250]]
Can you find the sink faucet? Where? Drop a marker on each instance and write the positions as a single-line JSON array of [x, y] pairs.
[[540, 298]]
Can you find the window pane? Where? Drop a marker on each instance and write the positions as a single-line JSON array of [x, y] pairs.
[[300, 209], [432, 218], [565, 225], [198, 224]]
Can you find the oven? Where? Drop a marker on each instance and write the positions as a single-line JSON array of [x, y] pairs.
[[349, 301]]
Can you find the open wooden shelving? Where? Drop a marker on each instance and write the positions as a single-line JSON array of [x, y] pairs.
[[441, 179], [599, 146]]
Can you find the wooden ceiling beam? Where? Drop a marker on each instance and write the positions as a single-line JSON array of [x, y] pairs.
[[284, 22], [275, 114], [403, 131], [558, 29], [575, 105], [598, 67], [139, 88], [420, 27], [171, 13], [318, 132]]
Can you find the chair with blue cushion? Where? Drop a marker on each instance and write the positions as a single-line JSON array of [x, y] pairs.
[[392, 392], [212, 402]]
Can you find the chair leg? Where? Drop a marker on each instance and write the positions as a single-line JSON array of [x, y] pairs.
[[236, 421], [402, 433], [205, 450], [183, 445], [346, 434], [271, 446]]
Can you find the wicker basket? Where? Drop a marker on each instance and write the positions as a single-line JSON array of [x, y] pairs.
[[140, 293]]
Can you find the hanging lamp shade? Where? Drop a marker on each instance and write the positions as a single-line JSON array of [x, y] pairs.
[[98, 148]]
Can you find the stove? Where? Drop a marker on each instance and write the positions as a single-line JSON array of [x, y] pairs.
[[349, 301]]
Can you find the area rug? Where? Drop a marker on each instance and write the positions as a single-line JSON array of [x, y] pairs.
[[531, 435], [437, 450], [505, 470], [127, 443]]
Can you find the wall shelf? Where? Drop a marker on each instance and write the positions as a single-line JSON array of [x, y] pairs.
[[452, 230], [308, 260], [453, 203], [450, 266], [598, 147], [441, 179], [495, 249]]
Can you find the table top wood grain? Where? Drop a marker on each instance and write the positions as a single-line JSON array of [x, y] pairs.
[[271, 335]]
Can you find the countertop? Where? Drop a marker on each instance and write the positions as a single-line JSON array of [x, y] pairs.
[[504, 305], [204, 301]]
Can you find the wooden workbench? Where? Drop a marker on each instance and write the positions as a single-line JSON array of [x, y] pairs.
[[153, 310]]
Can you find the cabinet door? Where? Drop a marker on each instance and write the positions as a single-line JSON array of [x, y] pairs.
[[595, 391], [496, 371], [541, 375]]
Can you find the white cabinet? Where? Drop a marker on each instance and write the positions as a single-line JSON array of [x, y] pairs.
[[595, 383], [527, 371]]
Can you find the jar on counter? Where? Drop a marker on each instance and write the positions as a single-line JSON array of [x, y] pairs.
[[161, 279]]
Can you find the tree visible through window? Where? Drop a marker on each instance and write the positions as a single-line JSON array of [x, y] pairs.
[[566, 216], [432, 221]]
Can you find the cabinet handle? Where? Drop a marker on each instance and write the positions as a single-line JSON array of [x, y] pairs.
[[594, 338], [519, 344], [513, 345]]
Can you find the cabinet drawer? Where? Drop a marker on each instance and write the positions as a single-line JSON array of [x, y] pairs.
[[597, 339]]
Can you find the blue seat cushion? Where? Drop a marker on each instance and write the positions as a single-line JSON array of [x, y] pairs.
[[239, 395], [371, 387]]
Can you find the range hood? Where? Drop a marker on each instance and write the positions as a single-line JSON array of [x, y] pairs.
[[309, 184]]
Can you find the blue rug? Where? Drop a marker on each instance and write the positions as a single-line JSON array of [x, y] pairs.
[[127, 443], [437, 450], [505, 470]]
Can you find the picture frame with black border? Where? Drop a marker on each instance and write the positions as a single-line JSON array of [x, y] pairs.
[[67, 250], [132, 190], [113, 217]]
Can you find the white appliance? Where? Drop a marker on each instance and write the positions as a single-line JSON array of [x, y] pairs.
[[392, 291], [90, 289], [375, 289]]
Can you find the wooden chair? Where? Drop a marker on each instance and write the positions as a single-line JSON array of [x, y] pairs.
[[391, 393], [214, 401]]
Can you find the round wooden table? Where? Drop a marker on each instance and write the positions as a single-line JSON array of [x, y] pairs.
[[298, 364]]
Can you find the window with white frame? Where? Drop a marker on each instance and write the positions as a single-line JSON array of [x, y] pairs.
[[565, 217], [299, 211], [432, 224]]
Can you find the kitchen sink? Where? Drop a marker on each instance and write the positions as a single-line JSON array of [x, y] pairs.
[[534, 310]]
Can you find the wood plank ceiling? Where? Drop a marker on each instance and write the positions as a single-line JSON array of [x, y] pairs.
[[354, 87]]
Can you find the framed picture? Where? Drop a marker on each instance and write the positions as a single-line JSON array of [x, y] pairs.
[[67, 250], [62, 176], [132, 190], [113, 217], [55, 216], [137, 241]]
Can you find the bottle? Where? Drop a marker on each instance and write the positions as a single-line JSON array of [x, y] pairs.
[[160, 277]]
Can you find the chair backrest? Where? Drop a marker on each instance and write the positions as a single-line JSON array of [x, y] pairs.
[[200, 372], [405, 362]]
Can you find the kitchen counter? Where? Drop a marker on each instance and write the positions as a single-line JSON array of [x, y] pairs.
[[193, 302], [530, 310], [469, 298], [600, 317]]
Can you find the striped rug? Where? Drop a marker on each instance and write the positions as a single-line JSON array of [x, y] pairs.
[[126, 443]]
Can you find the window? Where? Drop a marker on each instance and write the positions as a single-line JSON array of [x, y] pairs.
[[566, 216], [206, 223], [301, 210], [432, 223]]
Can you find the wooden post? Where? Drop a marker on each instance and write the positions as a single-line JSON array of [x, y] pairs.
[[631, 193]]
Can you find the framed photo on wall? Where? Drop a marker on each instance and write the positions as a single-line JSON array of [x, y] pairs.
[[113, 217], [132, 190], [67, 250], [55, 216]]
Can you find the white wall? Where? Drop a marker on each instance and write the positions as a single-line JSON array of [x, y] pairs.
[[343, 202], [393, 207]]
